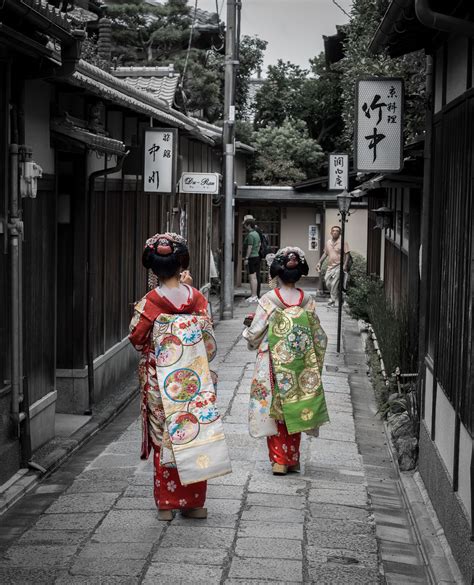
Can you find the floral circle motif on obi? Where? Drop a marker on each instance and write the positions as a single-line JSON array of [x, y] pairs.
[[168, 350], [310, 359], [307, 414], [211, 345], [182, 385], [298, 341], [183, 427], [188, 330], [204, 407], [286, 381], [281, 353], [281, 324], [310, 379]]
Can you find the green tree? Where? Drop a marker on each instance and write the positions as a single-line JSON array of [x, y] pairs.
[[279, 97], [252, 51], [285, 154]]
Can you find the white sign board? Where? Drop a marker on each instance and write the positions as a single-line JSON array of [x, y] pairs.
[[379, 124], [199, 183], [159, 168], [338, 172]]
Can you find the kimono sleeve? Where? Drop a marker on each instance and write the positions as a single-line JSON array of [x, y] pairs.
[[319, 336], [257, 330], [140, 326]]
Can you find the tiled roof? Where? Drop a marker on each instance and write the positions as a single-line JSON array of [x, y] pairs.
[[160, 81]]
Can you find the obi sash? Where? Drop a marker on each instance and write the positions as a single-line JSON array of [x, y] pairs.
[[193, 436], [295, 341]]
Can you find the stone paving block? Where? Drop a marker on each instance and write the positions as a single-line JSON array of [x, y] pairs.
[[276, 530], [116, 550], [126, 519], [79, 503], [27, 576], [136, 534], [69, 521], [53, 537], [98, 475], [191, 556], [136, 503], [278, 548], [395, 533], [400, 553], [223, 506], [329, 539], [213, 519], [68, 579], [49, 488], [238, 477], [276, 485], [340, 575], [107, 567], [409, 571], [320, 556], [224, 491], [138, 491], [125, 447], [91, 486], [198, 537], [336, 527], [269, 569], [183, 574], [273, 514], [340, 496], [277, 500], [38, 556]]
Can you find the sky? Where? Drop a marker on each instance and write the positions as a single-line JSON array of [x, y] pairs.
[[294, 29]]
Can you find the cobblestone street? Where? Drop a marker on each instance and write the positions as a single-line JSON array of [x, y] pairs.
[[341, 520]]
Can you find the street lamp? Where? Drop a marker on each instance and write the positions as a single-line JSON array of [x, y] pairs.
[[344, 204]]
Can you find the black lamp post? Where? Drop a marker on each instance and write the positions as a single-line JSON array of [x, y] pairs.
[[344, 204]]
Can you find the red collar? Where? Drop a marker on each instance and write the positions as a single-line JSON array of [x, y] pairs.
[[277, 291]]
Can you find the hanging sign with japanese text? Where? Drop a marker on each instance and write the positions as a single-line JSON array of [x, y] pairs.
[[159, 168], [338, 172], [199, 183], [379, 124]]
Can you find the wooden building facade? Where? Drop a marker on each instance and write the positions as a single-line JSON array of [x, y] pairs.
[[83, 232], [446, 451]]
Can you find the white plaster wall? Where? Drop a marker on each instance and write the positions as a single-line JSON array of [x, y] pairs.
[[444, 432], [356, 229], [294, 232], [428, 398], [457, 68], [37, 116], [465, 456]]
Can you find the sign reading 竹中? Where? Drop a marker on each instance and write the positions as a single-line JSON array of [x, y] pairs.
[[379, 124], [338, 172], [159, 168], [199, 183]]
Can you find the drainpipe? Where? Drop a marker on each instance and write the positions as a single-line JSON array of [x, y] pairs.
[[89, 300], [442, 22]]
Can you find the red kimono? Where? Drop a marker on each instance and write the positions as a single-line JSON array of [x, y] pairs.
[[169, 493]]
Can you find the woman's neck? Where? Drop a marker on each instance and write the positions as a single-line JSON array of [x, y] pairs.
[[172, 282], [288, 285]]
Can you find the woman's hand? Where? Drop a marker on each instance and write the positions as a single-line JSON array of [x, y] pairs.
[[186, 278]]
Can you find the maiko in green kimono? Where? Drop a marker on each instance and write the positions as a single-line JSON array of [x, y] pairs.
[[287, 395]]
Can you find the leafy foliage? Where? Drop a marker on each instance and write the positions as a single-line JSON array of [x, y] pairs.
[[285, 153]]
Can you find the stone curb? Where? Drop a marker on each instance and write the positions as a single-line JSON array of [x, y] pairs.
[[26, 479]]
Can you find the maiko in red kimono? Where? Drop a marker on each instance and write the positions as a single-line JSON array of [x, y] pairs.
[[169, 492]]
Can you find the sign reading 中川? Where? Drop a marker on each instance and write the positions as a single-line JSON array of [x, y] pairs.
[[199, 183], [159, 168], [379, 124], [338, 172]]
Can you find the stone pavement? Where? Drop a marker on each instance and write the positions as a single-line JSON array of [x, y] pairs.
[[94, 520]]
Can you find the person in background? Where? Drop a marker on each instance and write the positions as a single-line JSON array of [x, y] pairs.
[[332, 251], [286, 395], [252, 243]]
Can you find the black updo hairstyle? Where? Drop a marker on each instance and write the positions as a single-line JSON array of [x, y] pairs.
[[166, 257], [288, 275]]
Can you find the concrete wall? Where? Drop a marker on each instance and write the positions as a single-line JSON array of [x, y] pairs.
[[295, 222], [37, 115], [356, 229]]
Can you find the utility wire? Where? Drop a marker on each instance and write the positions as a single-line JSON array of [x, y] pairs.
[[341, 8]]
